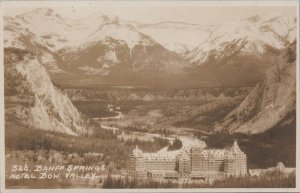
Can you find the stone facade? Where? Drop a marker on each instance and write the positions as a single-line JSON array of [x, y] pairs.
[[194, 163]]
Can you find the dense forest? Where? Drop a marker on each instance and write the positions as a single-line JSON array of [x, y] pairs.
[[100, 141], [277, 180], [94, 109], [264, 149], [177, 144]]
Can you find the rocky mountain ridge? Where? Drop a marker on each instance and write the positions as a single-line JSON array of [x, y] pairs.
[[32, 99], [143, 43], [270, 102], [251, 36]]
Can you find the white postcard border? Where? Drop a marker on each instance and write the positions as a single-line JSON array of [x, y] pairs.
[[143, 3]]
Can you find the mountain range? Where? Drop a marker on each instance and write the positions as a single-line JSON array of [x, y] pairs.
[[104, 49], [251, 36], [42, 48]]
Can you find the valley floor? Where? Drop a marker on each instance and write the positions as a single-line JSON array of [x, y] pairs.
[[152, 126]]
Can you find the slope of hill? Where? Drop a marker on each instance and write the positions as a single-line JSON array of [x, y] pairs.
[[270, 102], [32, 100]]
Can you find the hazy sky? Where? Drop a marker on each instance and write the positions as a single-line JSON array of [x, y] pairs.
[[201, 14]]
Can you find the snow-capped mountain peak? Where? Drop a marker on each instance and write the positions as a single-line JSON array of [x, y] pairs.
[[108, 43], [126, 33], [172, 34], [250, 36]]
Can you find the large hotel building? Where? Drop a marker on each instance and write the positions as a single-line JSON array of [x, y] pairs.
[[195, 162]]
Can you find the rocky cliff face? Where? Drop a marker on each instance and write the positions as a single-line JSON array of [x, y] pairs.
[[33, 100], [270, 102]]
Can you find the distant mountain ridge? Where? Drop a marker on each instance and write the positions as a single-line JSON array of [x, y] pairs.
[[250, 36], [178, 37], [116, 48], [208, 94], [68, 38], [127, 49]]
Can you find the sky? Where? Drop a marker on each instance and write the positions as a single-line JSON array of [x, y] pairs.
[[199, 14]]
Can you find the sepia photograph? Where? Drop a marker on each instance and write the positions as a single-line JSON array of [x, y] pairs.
[[150, 95]]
